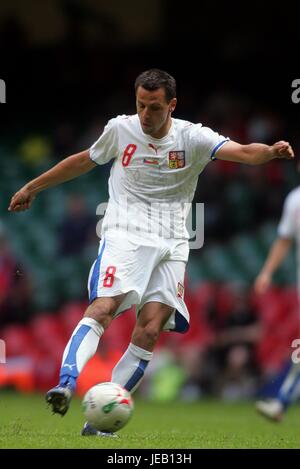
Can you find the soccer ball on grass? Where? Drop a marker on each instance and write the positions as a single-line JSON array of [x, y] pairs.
[[107, 407]]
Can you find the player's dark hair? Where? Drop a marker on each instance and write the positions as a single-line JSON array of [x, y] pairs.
[[153, 79]]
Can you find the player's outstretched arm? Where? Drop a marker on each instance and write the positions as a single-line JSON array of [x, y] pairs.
[[278, 251], [67, 169], [255, 153]]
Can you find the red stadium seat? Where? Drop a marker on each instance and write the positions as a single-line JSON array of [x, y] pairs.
[[70, 315], [48, 334], [18, 340]]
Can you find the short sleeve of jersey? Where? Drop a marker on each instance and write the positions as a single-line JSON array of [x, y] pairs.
[[206, 142], [286, 227], [106, 147]]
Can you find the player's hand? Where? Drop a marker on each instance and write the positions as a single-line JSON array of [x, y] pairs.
[[21, 201], [283, 150], [262, 283]]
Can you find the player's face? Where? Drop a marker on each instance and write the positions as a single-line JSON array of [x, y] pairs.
[[154, 111]]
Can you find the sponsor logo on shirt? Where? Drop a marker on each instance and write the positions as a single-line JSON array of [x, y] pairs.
[[176, 159], [153, 147]]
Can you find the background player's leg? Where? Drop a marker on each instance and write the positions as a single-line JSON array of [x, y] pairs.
[[129, 371], [289, 391]]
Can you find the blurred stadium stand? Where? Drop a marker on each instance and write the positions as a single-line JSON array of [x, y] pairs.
[[77, 71], [59, 284]]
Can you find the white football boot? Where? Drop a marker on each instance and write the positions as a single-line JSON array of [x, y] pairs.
[[272, 409]]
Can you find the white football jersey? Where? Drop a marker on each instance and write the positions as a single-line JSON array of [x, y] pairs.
[[153, 181], [289, 226]]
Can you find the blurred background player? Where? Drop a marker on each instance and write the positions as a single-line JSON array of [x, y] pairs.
[[288, 231], [231, 354], [156, 159]]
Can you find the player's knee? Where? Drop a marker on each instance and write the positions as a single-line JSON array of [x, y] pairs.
[[147, 335], [101, 312]]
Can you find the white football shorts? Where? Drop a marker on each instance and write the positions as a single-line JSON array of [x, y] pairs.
[[146, 269]]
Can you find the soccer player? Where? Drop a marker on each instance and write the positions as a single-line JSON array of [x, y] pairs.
[[141, 259], [288, 230]]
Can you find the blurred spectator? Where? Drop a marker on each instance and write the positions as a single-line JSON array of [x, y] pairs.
[[264, 126], [78, 228], [229, 368], [35, 150], [15, 287]]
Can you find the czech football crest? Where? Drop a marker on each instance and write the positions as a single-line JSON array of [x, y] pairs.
[[176, 159]]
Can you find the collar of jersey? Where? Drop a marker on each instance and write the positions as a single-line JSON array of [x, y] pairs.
[[157, 140]]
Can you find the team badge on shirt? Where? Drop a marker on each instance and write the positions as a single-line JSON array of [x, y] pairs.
[[176, 159]]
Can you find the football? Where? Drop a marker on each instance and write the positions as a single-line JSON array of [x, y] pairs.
[[107, 407]]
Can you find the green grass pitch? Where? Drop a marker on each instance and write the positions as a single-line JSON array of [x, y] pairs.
[[27, 423]]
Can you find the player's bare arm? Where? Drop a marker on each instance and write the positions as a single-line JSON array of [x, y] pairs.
[[255, 153], [67, 169], [278, 252]]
